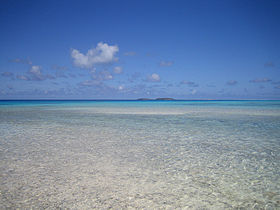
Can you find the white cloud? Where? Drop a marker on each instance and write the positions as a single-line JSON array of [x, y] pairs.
[[35, 70], [22, 77], [103, 53], [118, 70], [35, 74], [121, 87], [153, 78]]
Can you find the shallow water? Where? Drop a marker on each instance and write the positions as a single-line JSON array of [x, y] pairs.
[[168, 155]]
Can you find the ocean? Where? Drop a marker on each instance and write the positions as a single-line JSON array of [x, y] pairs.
[[140, 154]]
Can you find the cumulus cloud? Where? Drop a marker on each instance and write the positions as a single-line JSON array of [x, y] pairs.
[[103, 53], [231, 82], [35, 69], [166, 63], [130, 53], [118, 70], [7, 74], [261, 80], [121, 87], [22, 77], [189, 83], [153, 78], [35, 74]]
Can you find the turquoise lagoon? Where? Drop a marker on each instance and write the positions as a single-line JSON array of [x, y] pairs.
[[140, 154]]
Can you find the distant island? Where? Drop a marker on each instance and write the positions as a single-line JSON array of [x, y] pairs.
[[144, 99], [157, 99]]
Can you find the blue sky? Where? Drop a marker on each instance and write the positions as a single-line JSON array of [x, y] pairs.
[[131, 49]]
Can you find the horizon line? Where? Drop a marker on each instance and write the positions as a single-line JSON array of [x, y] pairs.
[[138, 99]]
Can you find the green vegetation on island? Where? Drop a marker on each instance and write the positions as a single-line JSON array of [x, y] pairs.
[[144, 99]]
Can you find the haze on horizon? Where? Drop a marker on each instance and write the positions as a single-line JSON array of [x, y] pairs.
[[140, 49]]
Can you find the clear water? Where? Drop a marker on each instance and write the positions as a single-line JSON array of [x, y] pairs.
[[140, 154]]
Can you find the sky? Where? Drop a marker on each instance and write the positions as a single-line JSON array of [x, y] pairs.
[[227, 49]]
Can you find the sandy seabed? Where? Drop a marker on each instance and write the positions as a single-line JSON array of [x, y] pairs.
[[84, 158]]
